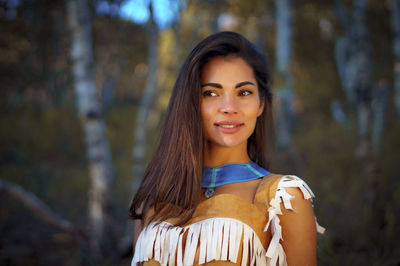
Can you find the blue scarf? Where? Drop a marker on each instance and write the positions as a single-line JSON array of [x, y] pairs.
[[213, 177]]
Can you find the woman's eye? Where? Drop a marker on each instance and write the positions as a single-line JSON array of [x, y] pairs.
[[245, 93], [209, 94]]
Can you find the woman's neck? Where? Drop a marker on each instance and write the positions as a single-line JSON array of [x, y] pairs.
[[216, 155]]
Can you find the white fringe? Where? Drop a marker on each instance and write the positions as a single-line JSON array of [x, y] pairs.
[[275, 253], [216, 238], [219, 238]]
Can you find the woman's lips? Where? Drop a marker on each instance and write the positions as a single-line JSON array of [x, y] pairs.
[[229, 126]]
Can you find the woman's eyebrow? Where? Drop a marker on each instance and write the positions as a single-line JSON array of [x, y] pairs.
[[215, 85], [244, 83], [219, 86]]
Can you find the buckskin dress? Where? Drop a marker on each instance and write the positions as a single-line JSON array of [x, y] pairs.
[[225, 230]]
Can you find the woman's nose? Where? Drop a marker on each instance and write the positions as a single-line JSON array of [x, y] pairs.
[[228, 104]]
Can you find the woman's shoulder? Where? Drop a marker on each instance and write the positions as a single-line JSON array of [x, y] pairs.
[[272, 183], [278, 188], [278, 192], [281, 196]]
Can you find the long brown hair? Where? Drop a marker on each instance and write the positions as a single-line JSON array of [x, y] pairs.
[[173, 175]]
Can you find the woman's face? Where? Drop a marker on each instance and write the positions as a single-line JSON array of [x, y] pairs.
[[230, 101]]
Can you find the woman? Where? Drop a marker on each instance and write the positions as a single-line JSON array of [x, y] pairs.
[[206, 197]]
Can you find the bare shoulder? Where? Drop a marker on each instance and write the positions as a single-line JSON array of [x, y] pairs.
[[301, 209], [295, 199], [291, 219], [299, 231]]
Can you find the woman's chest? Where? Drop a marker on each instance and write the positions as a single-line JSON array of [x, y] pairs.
[[223, 228], [244, 190]]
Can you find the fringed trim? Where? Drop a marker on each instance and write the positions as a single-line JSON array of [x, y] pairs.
[[275, 253], [216, 239]]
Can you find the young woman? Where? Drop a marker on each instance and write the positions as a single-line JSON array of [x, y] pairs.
[[206, 196]]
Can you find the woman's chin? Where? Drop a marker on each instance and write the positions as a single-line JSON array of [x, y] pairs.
[[227, 143]]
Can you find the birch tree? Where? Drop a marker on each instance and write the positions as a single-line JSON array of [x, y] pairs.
[[354, 65], [149, 93], [91, 117], [283, 59], [396, 52], [381, 98]]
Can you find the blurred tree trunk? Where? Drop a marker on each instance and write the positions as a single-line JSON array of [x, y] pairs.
[[45, 214], [91, 117], [176, 29], [38, 208], [396, 52], [283, 59], [381, 99], [355, 67], [149, 93]]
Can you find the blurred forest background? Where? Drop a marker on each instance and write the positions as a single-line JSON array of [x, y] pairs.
[[83, 88]]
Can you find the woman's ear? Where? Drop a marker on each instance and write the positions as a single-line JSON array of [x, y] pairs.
[[261, 108]]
